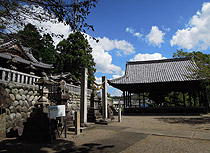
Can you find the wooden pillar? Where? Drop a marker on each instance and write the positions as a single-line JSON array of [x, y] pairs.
[[199, 97], [194, 97], [128, 104], [139, 100], [202, 98], [206, 101], [119, 114], [190, 98], [184, 99], [127, 99], [130, 99], [143, 99], [124, 98], [175, 99]]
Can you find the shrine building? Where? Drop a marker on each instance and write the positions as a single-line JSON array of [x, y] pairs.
[[162, 86], [15, 56]]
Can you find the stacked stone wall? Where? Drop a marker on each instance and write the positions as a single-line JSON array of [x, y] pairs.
[[74, 101], [23, 99], [74, 106], [2, 126]]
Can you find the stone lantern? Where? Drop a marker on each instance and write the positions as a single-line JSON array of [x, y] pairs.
[[44, 86]]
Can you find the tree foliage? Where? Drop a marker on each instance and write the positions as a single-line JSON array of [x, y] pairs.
[[75, 54], [41, 46], [202, 61], [15, 13]]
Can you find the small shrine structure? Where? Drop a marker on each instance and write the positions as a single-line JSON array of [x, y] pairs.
[[151, 80], [15, 56]]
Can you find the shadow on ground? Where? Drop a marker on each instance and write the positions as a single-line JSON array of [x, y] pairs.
[[59, 146], [180, 120]]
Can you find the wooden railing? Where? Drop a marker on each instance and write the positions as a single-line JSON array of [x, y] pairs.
[[7, 75]]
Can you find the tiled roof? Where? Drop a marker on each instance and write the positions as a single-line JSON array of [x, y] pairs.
[[157, 71], [27, 52]]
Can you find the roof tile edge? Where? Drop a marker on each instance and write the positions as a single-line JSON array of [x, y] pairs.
[[158, 61]]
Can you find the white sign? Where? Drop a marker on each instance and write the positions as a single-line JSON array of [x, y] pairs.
[[57, 111]]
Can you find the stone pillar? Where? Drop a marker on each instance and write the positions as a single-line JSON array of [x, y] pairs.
[[77, 123], [104, 97], [83, 100]]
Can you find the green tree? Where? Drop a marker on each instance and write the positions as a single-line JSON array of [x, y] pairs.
[[15, 13], [75, 54], [41, 46], [48, 52], [30, 37], [202, 61]]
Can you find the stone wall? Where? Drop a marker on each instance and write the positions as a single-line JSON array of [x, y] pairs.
[[23, 99], [74, 101], [2, 126]]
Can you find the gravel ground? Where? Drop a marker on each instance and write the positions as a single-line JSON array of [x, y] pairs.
[[148, 134]]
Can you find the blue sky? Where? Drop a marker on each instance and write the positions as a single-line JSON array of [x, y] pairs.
[[130, 30], [147, 29]]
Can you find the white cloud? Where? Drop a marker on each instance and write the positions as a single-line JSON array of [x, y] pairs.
[[98, 80], [103, 59], [108, 45], [101, 55], [155, 37], [132, 31], [52, 27], [196, 35], [145, 57], [166, 29], [118, 75], [56, 28], [118, 53], [137, 34]]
